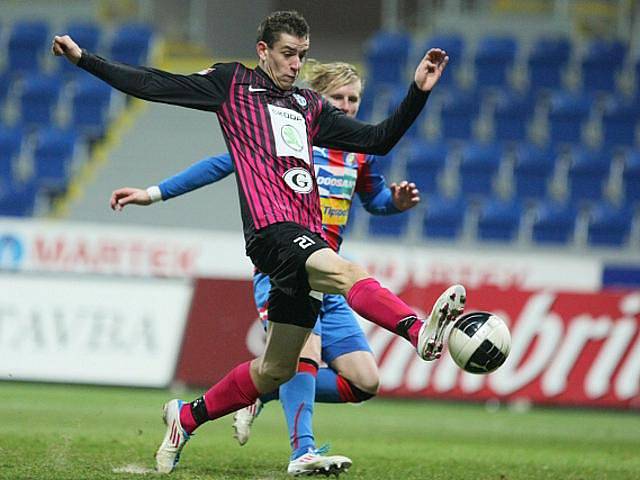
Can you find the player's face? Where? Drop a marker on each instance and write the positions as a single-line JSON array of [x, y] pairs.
[[346, 98], [284, 60]]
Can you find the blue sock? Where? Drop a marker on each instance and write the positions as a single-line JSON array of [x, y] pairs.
[[297, 397], [327, 386]]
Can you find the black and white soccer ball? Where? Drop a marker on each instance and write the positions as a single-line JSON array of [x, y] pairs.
[[479, 342]]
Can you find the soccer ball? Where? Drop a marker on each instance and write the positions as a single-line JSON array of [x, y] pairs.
[[479, 342]]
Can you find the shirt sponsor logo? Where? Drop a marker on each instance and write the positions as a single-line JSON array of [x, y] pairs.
[[337, 182], [335, 211], [291, 137], [299, 180]]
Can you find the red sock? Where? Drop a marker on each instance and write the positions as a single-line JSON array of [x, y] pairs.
[[377, 304], [235, 391]]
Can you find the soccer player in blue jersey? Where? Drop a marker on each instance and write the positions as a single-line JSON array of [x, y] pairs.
[[337, 339], [270, 127]]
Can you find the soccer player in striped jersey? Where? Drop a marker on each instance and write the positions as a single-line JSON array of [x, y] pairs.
[[270, 127], [337, 339]]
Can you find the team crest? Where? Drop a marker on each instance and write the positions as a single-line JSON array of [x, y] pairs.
[[300, 99], [350, 159]]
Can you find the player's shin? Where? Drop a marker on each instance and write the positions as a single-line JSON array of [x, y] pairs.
[[378, 305]]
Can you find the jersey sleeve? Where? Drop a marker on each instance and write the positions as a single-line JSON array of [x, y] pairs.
[[337, 130], [373, 191], [206, 171], [206, 90]]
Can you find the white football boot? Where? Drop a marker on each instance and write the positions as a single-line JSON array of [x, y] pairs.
[[447, 308], [243, 419], [315, 463], [175, 438]]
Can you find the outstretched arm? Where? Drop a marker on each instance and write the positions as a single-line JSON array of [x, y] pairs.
[[379, 199], [337, 130], [204, 172], [202, 91]]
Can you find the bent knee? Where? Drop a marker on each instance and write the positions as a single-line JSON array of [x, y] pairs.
[[276, 373]]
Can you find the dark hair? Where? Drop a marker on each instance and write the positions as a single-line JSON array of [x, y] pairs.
[[290, 22]]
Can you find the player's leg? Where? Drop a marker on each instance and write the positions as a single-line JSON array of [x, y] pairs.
[[239, 388], [328, 272]]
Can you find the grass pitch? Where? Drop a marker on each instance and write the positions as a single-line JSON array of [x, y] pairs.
[[75, 432]]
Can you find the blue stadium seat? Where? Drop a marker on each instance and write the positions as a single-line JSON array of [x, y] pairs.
[[87, 35], [600, 64], [131, 43], [533, 169], [5, 83], [10, 146], [554, 223], [511, 117], [619, 122], [631, 178], [588, 173], [425, 161], [547, 59], [388, 225], [479, 165], [454, 45], [386, 55], [459, 110], [567, 114], [499, 220], [54, 150], [28, 43], [444, 217], [19, 201], [39, 96], [493, 59], [90, 106], [608, 226]]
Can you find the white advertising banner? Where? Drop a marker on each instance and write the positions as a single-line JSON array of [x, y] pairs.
[[88, 330], [74, 247], [399, 267]]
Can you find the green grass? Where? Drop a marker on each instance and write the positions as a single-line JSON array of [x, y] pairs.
[[74, 432]]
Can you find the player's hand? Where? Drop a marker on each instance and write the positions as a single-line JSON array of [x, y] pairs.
[[430, 69], [66, 46], [125, 196], [404, 196]]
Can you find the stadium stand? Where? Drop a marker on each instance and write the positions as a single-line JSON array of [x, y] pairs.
[[546, 62], [493, 61], [444, 217], [609, 225], [588, 173], [554, 223], [499, 220], [388, 226], [27, 45], [631, 179], [533, 169], [601, 64], [478, 168], [425, 162], [38, 100], [567, 115]]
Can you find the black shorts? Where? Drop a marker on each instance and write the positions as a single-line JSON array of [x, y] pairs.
[[281, 251]]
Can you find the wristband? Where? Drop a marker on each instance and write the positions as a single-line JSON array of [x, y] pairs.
[[154, 193]]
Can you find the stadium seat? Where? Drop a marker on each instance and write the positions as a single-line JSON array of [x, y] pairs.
[[554, 223], [511, 117], [28, 42], [600, 65], [19, 201], [131, 43], [619, 122], [425, 162], [459, 110], [493, 59], [444, 217], [10, 145], [479, 165], [39, 96], [454, 45], [86, 34], [547, 59], [608, 225], [54, 150], [90, 106], [388, 225], [499, 220], [567, 114], [631, 178], [532, 171], [5, 83], [588, 174], [386, 55]]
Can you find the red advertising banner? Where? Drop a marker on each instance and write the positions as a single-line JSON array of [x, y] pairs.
[[567, 348]]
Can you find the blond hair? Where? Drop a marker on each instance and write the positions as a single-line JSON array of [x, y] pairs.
[[326, 77]]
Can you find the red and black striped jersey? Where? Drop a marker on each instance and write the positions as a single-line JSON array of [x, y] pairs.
[[269, 131]]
